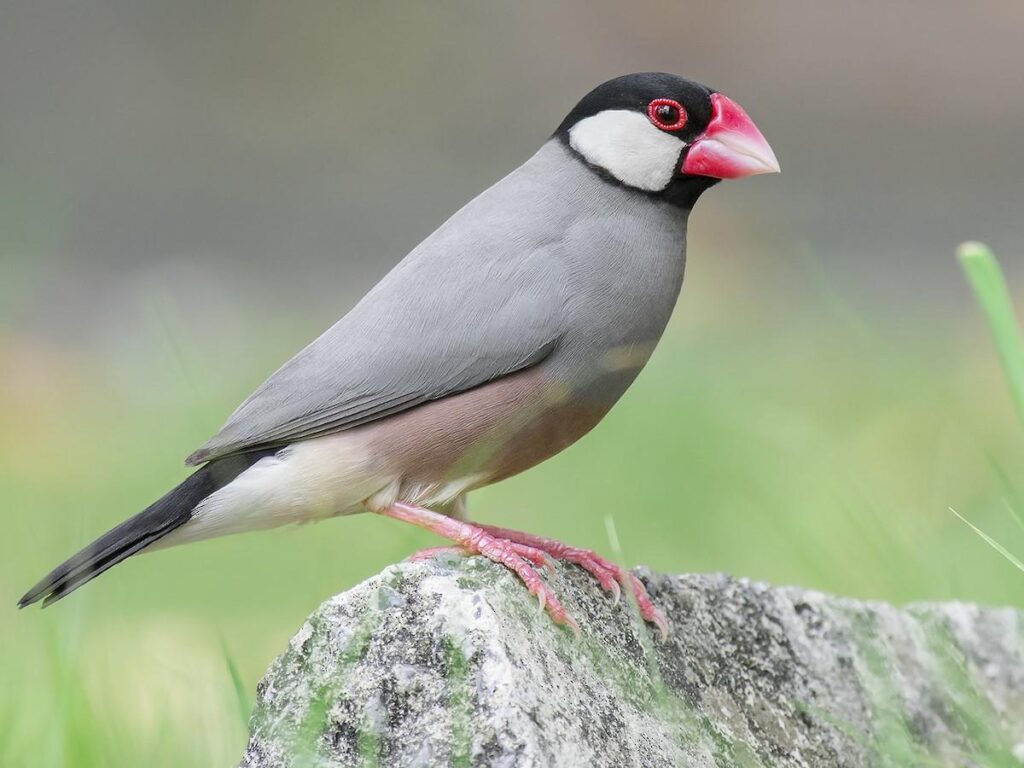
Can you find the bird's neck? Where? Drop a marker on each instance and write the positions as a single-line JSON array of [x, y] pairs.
[[684, 191]]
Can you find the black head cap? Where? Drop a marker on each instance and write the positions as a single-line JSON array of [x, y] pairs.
[[635, 92]]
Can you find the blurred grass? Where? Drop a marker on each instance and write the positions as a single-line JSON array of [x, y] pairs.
[[818, 446], [986, 278]]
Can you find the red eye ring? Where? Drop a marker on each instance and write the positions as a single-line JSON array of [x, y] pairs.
[[658, 105]]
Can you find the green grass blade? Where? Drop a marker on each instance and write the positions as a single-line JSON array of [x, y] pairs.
[[990, 541], [1011, 499], [1014, 513], [986, 278], [242, 700]]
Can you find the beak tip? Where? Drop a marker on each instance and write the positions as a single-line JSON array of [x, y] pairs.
[[771, 165], [762, 156]]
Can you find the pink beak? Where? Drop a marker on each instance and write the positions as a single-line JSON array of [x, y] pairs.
[[731, 147]]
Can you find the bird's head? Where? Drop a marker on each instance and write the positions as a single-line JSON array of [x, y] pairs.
[[665, 135]]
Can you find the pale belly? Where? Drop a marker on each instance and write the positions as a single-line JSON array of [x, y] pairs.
[[481, 436]]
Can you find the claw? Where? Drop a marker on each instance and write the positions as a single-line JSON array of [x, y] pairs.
[[661, 624], [607, 578]]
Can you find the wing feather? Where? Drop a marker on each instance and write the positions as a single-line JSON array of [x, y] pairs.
[[445, 320]]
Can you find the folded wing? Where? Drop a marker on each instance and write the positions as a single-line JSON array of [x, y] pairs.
[[443, 321]]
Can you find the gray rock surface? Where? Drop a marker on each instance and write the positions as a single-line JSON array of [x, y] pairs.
[[449, 663]]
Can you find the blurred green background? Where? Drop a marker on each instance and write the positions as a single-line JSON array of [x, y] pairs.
[[190, 192]]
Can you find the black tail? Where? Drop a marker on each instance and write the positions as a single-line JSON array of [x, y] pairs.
[[136, 533]]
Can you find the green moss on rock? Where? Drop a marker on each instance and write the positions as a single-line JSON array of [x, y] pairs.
[[449, 663]]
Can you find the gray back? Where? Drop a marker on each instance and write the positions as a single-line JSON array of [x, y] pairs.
[[552, 265]]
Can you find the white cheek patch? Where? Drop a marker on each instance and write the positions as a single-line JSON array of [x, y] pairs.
[[626, 145]]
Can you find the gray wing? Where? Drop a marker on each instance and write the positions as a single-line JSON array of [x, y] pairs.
[[448, 318]]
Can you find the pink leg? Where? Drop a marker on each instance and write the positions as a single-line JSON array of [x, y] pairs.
[[607, 573], [472, 538]]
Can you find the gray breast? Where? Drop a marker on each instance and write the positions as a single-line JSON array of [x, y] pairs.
[[623, 256]]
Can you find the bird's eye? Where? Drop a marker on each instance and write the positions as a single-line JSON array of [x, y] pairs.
[[667, 114]]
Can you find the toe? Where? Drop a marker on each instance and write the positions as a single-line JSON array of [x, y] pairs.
[[532, 554], [647, 608], [659, 620]]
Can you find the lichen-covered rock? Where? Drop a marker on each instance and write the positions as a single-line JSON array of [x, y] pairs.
[[449, 663]]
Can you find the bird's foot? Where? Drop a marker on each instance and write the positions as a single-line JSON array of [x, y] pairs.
[[518, 557], [519, 552], [608, 574]]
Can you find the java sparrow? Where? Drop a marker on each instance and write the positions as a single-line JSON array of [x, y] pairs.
[[501, 339]]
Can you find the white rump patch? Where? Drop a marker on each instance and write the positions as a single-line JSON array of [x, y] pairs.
[[625, 144], [308, 481], [311, 480]]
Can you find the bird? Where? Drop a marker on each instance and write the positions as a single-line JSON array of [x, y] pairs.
[[501, 339]]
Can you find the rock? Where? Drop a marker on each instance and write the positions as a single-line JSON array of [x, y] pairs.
[[449, 663]]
